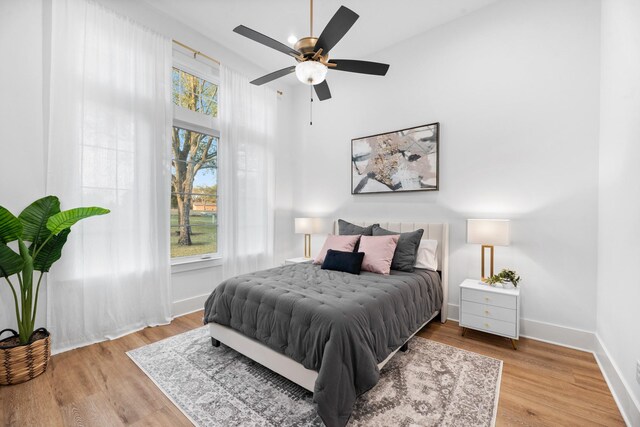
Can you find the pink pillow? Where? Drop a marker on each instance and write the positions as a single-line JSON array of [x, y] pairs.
[[337, 243], [378, 252]]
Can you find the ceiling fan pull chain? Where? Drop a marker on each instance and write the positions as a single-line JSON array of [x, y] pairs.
[[311, 106]]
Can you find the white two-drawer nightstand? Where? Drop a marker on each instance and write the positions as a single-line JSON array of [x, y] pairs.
[[490, 309], [297, 260]]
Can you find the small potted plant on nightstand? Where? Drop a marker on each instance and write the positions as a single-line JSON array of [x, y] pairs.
[[506, 277], [25, 354]]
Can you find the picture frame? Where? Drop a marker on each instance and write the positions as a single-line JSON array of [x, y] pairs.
[[400, 161]]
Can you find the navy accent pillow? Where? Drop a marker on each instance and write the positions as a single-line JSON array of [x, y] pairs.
[[404, 258], [348, 262]]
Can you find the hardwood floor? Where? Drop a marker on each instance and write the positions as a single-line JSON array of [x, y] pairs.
[[542, 384], [98, 385]]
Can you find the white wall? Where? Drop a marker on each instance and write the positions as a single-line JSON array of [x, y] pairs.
[[22, 160], [618, 326], [515, 89]]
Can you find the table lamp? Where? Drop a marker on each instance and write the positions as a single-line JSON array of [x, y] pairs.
[[308, 226], [488, 233]]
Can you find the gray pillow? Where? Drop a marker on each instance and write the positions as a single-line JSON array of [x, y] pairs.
[[404, 258], [347, 229]]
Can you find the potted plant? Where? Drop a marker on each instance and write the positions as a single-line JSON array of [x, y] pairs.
[[25, 354], [504, 277]]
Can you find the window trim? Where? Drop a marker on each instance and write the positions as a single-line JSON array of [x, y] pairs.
[[180, 123], [195, 67], [201, 123], [182, 264]]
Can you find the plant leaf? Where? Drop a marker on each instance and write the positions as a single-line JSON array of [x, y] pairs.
[[10, 262], [10, 226], [51, 252], [65, 219], [34, 220]]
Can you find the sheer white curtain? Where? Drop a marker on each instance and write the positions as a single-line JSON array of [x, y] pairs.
[[109, 133], [248, 116]]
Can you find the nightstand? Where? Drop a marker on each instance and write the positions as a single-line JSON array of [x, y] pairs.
[[490, 309], [299, 260]]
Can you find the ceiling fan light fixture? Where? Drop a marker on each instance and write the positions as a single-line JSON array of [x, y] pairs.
[[311, 72]]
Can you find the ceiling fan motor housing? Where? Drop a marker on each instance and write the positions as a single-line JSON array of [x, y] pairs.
[[306, 46]]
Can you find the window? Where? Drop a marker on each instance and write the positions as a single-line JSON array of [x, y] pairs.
[[194, 166], [194, 93]]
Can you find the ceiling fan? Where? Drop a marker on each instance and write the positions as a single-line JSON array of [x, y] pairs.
[[312, 53]]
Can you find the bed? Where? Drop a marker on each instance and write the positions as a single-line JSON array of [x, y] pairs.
[[330, 332]]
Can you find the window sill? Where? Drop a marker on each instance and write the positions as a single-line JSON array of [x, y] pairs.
[[189, 264]]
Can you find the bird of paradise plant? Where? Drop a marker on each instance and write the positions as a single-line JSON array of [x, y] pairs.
[[41, 230]]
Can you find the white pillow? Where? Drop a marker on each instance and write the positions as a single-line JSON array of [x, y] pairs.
[[427, 255]]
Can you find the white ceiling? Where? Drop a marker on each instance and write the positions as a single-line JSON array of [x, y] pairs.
[[381, 23]]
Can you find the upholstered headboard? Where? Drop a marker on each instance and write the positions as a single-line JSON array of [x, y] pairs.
[[432, 231]]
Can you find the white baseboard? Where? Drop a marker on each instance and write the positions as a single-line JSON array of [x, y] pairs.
[[454, 312], [565, 336], [189, 305], [628, 405], [580, 339]]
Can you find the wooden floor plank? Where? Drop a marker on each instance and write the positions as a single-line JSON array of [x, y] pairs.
[[98, 385]]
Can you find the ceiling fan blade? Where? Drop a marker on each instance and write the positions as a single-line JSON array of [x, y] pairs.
[[322, 90], [267, 41], [337, 27], [272, 76], [362, 67]]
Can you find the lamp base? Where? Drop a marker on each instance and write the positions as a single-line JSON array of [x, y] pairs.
[[482, 252], [307, 246]]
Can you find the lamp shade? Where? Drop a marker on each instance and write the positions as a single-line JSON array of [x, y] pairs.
[[496, 232], [309, 225]]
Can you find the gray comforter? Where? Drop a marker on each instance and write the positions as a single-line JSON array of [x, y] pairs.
[[338, 324]]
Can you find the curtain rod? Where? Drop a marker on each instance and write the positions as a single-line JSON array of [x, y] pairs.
[[196, 52]]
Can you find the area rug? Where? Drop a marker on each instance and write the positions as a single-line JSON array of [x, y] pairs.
[[432, 384]]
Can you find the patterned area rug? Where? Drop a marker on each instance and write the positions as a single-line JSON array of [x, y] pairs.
[[432, 384]]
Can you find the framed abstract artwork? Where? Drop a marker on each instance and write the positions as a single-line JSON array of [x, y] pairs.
[[394, 162]]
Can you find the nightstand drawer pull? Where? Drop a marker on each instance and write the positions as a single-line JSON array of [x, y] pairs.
[[495, 326], [489, 311], [495, 299]]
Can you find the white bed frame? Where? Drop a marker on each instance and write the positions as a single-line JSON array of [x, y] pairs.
[[293, 370]]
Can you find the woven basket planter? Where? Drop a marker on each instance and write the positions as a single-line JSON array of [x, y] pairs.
[[24, 362]]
